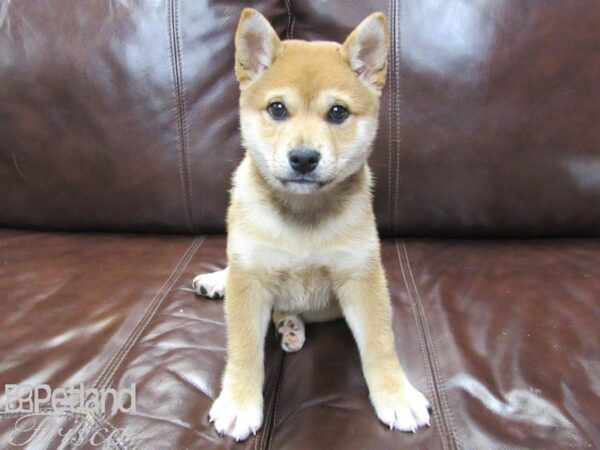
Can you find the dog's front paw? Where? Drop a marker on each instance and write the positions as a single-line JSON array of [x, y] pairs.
[[210, 285], [405, 409], [235, 419]]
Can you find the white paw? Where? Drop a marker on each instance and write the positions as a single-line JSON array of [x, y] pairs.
[[234, 419], [406, 410], [210, 285], [292, 333]]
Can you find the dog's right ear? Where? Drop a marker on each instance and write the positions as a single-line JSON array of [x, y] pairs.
[[256, 45]]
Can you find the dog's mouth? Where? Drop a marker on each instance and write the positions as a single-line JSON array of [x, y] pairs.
[[302, 185]]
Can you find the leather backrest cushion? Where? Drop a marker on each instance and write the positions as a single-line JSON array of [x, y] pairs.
[[122, 115], [119, 115]]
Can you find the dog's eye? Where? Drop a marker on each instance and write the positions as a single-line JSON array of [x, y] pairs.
[[277, 111], [337, 114]]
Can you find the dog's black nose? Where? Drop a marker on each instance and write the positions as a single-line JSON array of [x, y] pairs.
[[304, 160]]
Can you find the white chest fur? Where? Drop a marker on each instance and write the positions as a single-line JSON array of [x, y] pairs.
[[300, 262], [300, 280]]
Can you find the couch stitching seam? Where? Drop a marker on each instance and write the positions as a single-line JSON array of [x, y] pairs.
[[262, 441], [258, 441], [293, 21], [106, 377], [390, 110], [155, 305], [178, 88], [184, 120], [422, 345], [116, 359], [173, 74], [273, 424], [397, 102], [289, 32], [439, 381]]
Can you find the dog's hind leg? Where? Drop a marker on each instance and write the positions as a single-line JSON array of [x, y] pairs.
[[291, 329], [211, 285], [291, 326]]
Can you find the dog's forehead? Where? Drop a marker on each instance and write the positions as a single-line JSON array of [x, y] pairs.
[[312, 71]]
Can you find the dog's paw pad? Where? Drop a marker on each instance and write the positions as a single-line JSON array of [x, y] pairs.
[[211, 285], [292, 334]]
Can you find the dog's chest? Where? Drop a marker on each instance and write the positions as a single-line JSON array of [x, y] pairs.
[[300, 281], [300, 274], [303, 288]]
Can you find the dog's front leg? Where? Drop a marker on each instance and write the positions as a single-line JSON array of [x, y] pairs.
[[366, 306], [238, 411]]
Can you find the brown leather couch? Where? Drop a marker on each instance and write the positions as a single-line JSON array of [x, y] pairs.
[[118, 135]]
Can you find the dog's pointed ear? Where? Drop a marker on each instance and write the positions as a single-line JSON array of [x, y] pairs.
[[366, 49], [256, 45]]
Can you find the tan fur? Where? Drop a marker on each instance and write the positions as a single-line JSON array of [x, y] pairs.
[[314, 254]]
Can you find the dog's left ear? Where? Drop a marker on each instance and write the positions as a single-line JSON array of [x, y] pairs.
[[366, 49], [256, 46]]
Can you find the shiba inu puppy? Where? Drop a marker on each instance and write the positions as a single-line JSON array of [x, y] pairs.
[[302, 240]]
